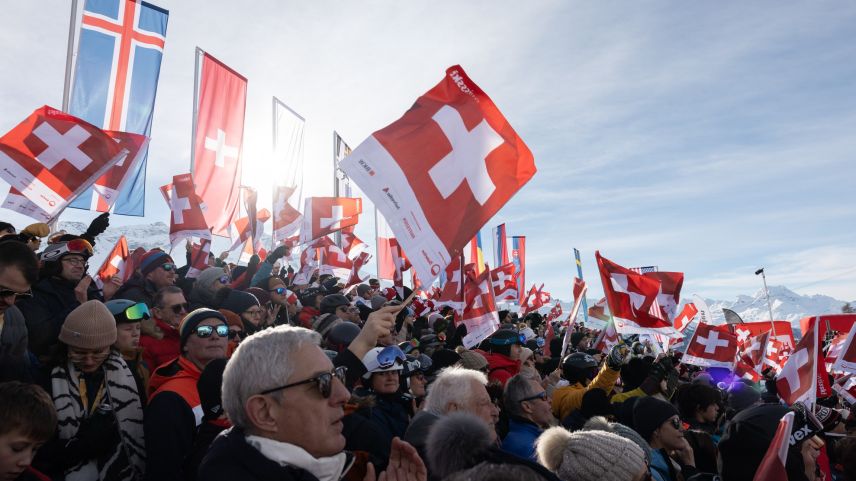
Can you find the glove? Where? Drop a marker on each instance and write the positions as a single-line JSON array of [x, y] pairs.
[[97, 435], [277, 254], [38, 229], [97, 226], [618, 356]]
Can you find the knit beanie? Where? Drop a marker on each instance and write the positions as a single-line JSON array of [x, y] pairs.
[[89, 326], [190, 321], [210, 393], [152, 260], [232, 319], [650, 413], [208, 276], [378, 302], [589, 455], [239, 301], [262, 295], [742, 395], [473, 360]]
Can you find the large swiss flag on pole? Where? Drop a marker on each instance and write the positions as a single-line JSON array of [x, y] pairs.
[[441, 171], [632, 299], [217, 141], [51, 157], [186, 218]]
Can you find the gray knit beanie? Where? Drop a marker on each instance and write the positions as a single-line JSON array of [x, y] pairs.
[[473, 360], [589, 455], [89, 326]]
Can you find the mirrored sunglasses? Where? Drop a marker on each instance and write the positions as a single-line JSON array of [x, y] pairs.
[[279, 291], [224, 279], [168, 266], [206, 331]]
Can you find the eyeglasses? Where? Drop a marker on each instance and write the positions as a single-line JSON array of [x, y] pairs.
[[676, 423], [206, 331], [178, 308], [5, 292], [167, 266], [254, 312], [139, 311], [234, 333], [279, 290], [76, 357], [323, 380], [541, 395], [74, 261], [388, 355], [224, 279]]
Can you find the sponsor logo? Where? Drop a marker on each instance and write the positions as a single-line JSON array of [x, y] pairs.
[[459, 81], [366, 167], [800, 434], [391, 198], [409, 228]]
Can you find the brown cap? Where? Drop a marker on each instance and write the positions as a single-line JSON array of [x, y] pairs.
[[89, 326]]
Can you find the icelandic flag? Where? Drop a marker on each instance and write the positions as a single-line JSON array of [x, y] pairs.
[[518, 256], [115, 81]]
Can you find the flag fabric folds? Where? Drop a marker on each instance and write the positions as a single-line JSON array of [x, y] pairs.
[[504, 282], [846, 359], [217, 142], [711, 347], [686, 316], [325, 215], [798, 379], [286, 219], [118, 60], [199, 258], [479, 314], [391, 259], [518, 256], [187, 220], [115, 263], [51, 157], [476, 255], [441, 171], [772, 467]]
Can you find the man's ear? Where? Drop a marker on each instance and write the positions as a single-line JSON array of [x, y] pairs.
[[259, 410], [452, 406]]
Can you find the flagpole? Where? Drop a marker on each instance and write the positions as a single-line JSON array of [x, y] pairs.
[[69, 58], [199, 52], [767, 294], [273, 153], [377, 247], [337, 236]]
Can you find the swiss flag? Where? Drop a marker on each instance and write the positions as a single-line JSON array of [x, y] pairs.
[[480, 315], [187, 219], [746, 371], [199, 258], [607, 338], [286, 219], [442, 170], [109, 185], [115, 263], [556, 311], [598, 310], [746, 330], [452, 293], [325, 215], [797, 380], [504, 282], [310, 259], [772, 467], [218, 142], [632, 299], [51, 157], [351, 244], [711, 346], [359, 261], [846, 359], [335, 262], [686, 316], [670, 291]]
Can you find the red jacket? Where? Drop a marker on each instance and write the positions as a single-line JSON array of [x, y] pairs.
[[501, 367], [157, 352], [179, 376], [304, 317]]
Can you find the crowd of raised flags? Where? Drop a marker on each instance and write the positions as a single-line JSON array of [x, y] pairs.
[[436, 176]]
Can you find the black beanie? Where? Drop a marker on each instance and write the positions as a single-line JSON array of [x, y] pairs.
[[209, 389], [239, 301], [649, 414], [193, 319]]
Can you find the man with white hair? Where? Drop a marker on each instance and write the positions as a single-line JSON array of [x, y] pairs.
[[285, 399], [455, 389]]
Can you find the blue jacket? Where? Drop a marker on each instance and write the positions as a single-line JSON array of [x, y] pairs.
[[521, 437], [660, 466]]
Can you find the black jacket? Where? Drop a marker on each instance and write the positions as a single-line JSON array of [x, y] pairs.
[[14, 360], [137, 289]]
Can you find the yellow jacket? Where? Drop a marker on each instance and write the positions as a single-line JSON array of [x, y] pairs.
[[624, 396], [570, 398]]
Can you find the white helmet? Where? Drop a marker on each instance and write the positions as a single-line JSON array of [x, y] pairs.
[[383, 359]]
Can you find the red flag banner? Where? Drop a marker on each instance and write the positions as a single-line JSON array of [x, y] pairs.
[[325, 215], [51, 157], [442, 170], [846, 361], [480, 315], [504, 281], [199, 258], [115, 263], [218, 142], [286, 219], [670, 291], [361, 260], [711, 346], [187, 219], [772, 467]]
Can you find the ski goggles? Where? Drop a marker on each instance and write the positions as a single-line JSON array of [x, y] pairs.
[[520, 339], [75, 246], [206, 331], [388, 355], [138, 312], [224, 280]]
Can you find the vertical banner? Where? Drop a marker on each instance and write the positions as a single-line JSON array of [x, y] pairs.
[[115, 82], [580, 275], [217, 141], [288, 127], [342, 185], [500, 246], [476, 255], [518, 256]]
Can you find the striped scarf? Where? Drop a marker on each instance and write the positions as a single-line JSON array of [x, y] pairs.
[[127, 460]]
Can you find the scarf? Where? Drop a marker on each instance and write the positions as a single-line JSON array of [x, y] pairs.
[[127, 460], [325, 469]]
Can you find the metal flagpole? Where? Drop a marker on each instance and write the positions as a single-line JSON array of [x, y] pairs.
[[70, 57], [767, 294], [199, 53], [377, 247], [337, 236]]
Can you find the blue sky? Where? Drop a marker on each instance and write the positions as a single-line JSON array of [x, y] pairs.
[[710, 138]]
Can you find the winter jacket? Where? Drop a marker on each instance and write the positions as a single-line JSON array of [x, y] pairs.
[[570, 398], [137, 289], [306, 316], [417, 431], [661, 466], [521, 437], [157, 352], [14, 361], [389, 415], [172, 416], [53, 299], [232, 458], [141, 372], [501, 367]]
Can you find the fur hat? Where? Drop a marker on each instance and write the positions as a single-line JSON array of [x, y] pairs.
[[589, 455], [89, 326]]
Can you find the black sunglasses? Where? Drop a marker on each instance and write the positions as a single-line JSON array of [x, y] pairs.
[[676, 423], [206, 331], [4, 293], [323, 380], [178, 308], [541, 395]]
